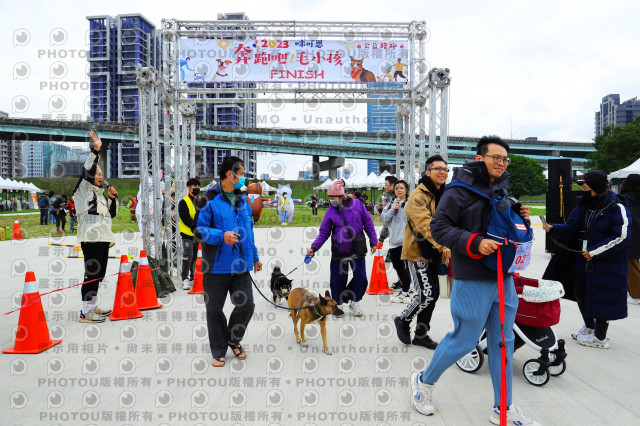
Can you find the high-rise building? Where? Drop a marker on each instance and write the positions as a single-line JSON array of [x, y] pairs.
[[117, 45], [10, 156], [381, 117], [612, 112], [50, 159]]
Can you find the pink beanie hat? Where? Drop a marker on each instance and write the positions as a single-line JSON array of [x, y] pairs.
[[336, 188]]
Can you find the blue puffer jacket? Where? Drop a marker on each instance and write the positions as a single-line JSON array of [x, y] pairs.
[[608, 243], [217, 217]]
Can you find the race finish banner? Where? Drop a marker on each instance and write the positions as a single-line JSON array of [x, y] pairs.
[[293, 61]]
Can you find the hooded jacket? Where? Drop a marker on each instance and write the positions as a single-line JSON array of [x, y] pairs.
[[462, 215], [93, 208], [217, 217], [357, 218], [608, 244]]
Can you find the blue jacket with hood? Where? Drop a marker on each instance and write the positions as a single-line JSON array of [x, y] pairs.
[[217, 217]]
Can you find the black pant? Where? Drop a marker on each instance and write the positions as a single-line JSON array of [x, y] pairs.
[[401, 268], [61, 219], [189, 256], [600, 326], [96, 256], [44, 216], [314, 210], [424, 277], [216, 287]]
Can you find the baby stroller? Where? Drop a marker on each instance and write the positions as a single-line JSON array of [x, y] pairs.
[[538, 310]]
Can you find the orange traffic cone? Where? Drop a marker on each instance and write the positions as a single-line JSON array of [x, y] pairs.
[[17, 233], [379, 283], [32, 336], [197, 279], [145, 290], [126, 304]]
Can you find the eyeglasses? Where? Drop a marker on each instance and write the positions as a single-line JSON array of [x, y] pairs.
[[439, 169], [498, 159]]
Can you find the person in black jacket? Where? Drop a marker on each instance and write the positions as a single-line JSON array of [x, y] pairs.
[[187, 213], [599, 228], [630, 191]]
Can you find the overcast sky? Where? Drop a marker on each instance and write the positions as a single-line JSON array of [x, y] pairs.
[[518, 68]]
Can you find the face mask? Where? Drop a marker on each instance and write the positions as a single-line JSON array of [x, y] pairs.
[[195, 191], [335, 203]]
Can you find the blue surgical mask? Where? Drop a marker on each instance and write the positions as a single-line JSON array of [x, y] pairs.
[[240, 184]]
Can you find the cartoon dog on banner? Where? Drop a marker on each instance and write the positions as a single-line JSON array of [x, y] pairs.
[[281, 190], [222, 74]]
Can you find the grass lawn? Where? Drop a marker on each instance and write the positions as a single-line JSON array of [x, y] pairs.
[[31, 228]]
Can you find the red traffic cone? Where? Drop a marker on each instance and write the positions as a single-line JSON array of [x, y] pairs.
[[17, 233], [379, 283], [32, 336], [197, 279], [145, 290], [125, 306]]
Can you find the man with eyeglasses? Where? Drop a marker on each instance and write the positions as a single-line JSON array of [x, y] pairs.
[[460, 223], [422, 254]]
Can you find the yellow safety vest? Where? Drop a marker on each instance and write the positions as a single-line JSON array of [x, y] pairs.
[[192, 213]]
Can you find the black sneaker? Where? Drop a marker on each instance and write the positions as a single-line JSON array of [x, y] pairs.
[[426, 342], [396, 286], [403, 329]]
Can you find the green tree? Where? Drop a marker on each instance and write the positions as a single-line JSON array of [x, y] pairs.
[[616, 147], [526, 176]]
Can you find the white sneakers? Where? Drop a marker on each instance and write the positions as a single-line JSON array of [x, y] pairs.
[[421, 395], [514, 417], [186, 285], [584, 331], [422, 400], [354, 308], [632, 301], [592, 341], [402, 297]]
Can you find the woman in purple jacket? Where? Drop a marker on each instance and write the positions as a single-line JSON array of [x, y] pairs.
[[352, 213]]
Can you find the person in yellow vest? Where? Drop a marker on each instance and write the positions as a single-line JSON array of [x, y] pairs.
[[187, 213]]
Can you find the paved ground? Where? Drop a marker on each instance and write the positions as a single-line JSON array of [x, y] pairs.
[[156, 370]]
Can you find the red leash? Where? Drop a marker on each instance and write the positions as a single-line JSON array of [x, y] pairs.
[[503, 345]]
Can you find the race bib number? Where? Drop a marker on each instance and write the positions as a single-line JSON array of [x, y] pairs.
[[522, 258]]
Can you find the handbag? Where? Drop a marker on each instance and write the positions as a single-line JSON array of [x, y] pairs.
[[358, 242]]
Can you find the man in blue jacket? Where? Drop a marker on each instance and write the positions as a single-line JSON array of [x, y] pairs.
[[460, 223], [229, 254]]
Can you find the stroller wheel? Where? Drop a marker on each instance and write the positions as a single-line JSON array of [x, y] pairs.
[[556, 370], [472, 361], [530, 370]]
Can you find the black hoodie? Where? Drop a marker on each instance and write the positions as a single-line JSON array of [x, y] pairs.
[[460, 222]]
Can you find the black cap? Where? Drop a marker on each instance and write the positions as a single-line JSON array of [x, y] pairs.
[[596, 180]]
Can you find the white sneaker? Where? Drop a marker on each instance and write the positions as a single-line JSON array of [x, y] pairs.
[[186, 284], [354, 308], [514, 417], [91, 317], [401, 298], [421, 395], [592, 341], [584, 331], [632, 301]]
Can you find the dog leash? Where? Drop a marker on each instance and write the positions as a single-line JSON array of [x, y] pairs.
[[261, 294]]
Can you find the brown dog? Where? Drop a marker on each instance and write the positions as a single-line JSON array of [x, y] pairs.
[[317, 313]]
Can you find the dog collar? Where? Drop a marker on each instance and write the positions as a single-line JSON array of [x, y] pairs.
[[315, 311]]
